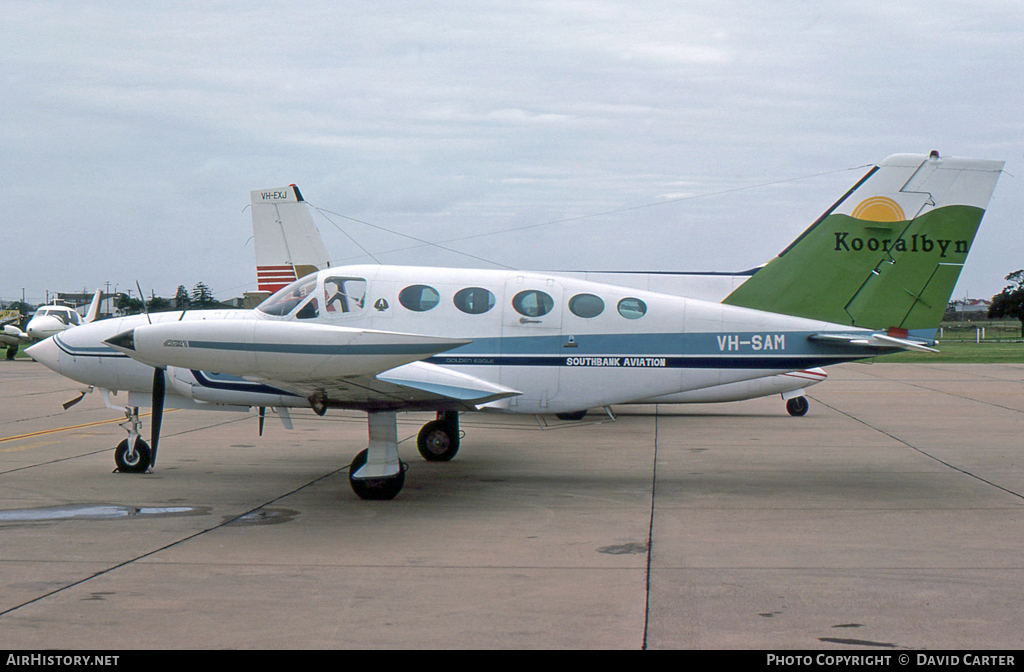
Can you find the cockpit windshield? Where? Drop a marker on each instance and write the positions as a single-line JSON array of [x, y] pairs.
[[286, 298], [65, 315]]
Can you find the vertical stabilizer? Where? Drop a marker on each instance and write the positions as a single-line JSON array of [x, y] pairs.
[[94, 307], [288, 244], [888, 254]]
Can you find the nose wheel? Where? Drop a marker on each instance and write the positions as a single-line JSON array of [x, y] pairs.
[[133, 459], [133, 455]]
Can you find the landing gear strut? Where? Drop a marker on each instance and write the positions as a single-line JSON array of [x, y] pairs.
[[377, 473], [797, 406], [133, 455], [438, 441]]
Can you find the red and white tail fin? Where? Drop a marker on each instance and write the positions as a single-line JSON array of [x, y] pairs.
[[288, 244]]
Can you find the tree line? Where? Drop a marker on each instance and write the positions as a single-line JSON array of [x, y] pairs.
[[1010, 301], [200, 298]]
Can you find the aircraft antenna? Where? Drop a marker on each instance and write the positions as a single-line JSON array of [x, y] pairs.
[[399, 233], [596, 214]]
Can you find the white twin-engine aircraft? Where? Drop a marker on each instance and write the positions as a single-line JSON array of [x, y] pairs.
[[55, 318], [873, 275]]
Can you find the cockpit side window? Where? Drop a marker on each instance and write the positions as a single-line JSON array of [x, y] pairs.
[[287, 298], [344, 295], [308, 311]]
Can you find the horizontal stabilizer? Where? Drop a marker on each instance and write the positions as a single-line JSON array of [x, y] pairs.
[[446, 383], [871, 340]]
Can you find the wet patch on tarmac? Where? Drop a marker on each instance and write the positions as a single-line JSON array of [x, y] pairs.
[[263, 517], [97, 512], [634, 548]]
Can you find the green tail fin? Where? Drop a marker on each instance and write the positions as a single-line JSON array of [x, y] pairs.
[[888, 253]]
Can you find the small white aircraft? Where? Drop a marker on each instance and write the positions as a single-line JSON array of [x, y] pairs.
[[10, 335], [289, 246], [873, 275], [55, 318]]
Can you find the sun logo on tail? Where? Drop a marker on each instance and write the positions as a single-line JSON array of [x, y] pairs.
[[879, 209]]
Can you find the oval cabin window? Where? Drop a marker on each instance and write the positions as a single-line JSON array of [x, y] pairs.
[[419, 298], [474, 300], [533, 303], [632, 309], [586, 305]]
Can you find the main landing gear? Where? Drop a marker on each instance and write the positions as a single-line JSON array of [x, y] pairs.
[[378, 474], [438, 441], [797, 406], [133, 455]]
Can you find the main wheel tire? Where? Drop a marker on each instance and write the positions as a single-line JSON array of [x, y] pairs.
[[575, 415], [377, 489], [437, 442], [797, 406], [130, 462]]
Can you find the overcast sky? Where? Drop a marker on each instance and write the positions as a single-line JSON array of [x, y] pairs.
[[131, 133]]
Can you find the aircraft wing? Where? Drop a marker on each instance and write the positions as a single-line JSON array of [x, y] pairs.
[[332, 366], [413, 385]]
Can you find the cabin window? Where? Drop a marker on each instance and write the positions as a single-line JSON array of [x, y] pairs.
[[419, 298], [533, 303], [344, 295], [286, 298], [474, 300], [586, 305], [632, 309]]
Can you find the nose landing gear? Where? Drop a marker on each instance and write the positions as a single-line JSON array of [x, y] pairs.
[[133, 455]]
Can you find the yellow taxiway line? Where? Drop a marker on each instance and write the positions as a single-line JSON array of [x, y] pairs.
[[65, 429]]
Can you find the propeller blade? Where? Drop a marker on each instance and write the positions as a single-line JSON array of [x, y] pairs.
[[158, 409], [69, 404], [263, 416], [145, 308]]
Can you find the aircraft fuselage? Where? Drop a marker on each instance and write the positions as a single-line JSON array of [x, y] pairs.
[[564, 343]]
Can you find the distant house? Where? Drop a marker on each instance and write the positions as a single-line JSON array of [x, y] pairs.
[[972, 306]]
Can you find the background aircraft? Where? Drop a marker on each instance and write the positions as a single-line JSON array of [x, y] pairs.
[[10, 335], [872, 275], [55, 318]]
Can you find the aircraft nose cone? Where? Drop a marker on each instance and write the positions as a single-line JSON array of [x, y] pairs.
[[46, 353], [41, 328]]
